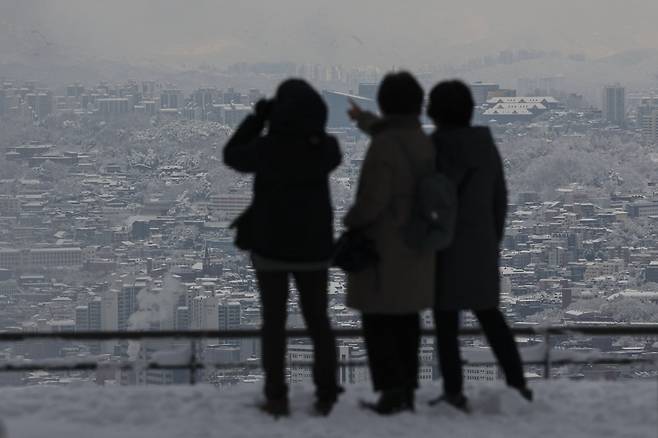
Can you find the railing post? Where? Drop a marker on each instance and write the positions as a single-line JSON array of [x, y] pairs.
[[547, 355], [192, 364]]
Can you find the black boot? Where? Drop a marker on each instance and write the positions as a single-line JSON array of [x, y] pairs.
[[410, 395], [525, 392], [325, 401], [392, 401], [457, 401], [279, 407]]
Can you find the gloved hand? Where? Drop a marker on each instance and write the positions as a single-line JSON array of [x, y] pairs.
[[263, 108]]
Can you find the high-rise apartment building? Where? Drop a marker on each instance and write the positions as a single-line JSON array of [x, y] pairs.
[[647, 116], [82, 318], [127, 302], [614, 104], [231, 96], [41, 103], [204, 97], [126, 305], [95, 314], [204, 313], [75, 90], [229, 314], [650, 126], [182, 319], [148, 89], [171, 99], [113, 105], [481, 91]]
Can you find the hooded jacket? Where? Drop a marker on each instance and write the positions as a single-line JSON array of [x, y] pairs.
[[292, 211], [467, 271]]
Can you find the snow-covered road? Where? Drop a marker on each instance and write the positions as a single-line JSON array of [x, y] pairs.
[[563, 409]]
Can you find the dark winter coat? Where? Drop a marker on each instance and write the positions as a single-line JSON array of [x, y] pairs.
[[403, 280], [467, 271], [292, 211]]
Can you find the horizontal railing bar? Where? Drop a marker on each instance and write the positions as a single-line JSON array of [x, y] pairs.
[[593, 330], [245, 365], [574, 329]]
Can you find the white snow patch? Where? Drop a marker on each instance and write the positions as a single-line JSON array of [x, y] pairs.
[[562, 409]]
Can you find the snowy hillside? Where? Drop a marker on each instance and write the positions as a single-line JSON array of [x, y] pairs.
[[562, 409]]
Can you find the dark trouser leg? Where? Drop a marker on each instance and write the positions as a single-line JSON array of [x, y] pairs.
[[274, 294], [502, 343], [408, 343], [392, 342], [312, 287], [377, 332], [450, 362]]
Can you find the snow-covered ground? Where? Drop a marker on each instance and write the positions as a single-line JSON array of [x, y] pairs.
[[563, 409]]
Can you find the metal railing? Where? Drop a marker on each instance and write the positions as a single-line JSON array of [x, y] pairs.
[[193, 363]]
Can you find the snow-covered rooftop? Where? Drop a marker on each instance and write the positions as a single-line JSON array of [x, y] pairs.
[[561, 409]]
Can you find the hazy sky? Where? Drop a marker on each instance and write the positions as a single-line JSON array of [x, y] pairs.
[[351, 32]]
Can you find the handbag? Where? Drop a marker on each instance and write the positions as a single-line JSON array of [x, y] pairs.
[[244, 226], [354, 251]]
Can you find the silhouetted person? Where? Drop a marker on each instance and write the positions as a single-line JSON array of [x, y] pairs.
[[467, 271], [291, 228], [391, 293]]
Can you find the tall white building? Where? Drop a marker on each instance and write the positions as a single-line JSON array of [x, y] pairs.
[[204, 313]]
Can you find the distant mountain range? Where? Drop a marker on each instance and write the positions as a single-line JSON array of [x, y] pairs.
[[56, 66]]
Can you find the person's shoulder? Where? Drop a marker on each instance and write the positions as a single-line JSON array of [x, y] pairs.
[[331, 140], [383, 140], [478, 137], [330, 146], [483, 134], [380, 148]]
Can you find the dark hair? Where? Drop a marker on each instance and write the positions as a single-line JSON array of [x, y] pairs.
[[400, 93], [451, 103]]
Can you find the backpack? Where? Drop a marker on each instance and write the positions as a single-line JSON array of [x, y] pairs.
[[431, 224]]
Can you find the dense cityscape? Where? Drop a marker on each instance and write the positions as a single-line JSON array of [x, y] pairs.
[[116, 209]]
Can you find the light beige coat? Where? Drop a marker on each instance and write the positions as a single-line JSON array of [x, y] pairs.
[[403, 280]]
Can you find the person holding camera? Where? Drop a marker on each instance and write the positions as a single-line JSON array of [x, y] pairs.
[[289, 229]]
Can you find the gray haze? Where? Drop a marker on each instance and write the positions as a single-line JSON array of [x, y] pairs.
[[364, 32]]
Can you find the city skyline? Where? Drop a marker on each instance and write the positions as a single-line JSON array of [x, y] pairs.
[[122, 180]]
